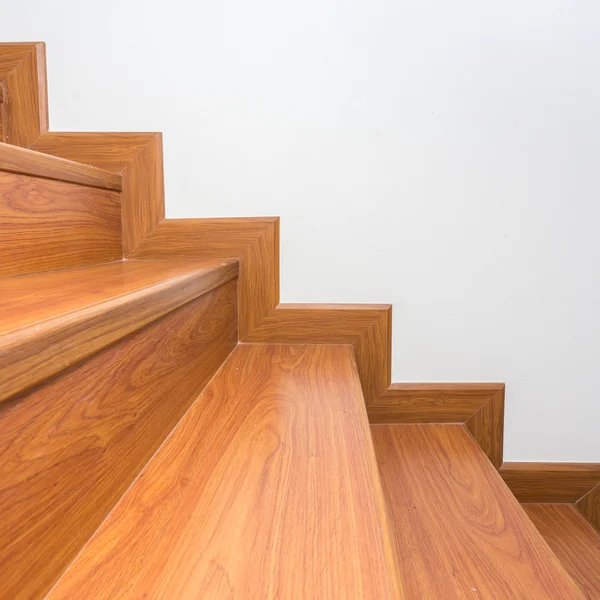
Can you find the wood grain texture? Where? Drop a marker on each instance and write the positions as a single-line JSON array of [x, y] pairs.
[[266, 489], [28, 162], [589, 507], [459, 532], [431, 402], [550, 482], [137, 157], [70, 448], [49, 225], [487, 427], [23, 91], [53, 320], [253, 241], [479, 405], [574, 541], [367, 327]]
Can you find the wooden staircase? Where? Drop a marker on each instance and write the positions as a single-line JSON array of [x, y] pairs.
[[169, 430]]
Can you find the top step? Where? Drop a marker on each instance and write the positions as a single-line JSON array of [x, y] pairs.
[[56, 213], [51, 320]]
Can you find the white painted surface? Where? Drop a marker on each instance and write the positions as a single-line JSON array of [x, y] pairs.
[[441, 156]]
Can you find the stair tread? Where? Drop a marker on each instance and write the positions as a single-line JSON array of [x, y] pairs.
[[267, 487], [574, 541], [457, 529], [52, 319]]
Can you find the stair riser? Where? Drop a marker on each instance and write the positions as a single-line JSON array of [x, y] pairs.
[[48, 225]]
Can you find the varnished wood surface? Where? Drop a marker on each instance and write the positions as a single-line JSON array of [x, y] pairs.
[[137, 157], [574, 541], [550, 482], [70, 448], [431, 402], [487, 428], [23, 93], [268, 488], [479, 405], [48, 225], [459, 532], [253, 241], [589, 506], [28, 162], [367, 327], [52, 320]]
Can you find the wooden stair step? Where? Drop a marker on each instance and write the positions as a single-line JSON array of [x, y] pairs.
[[574, 541], [268, 487], [52, 320], [458, 532]]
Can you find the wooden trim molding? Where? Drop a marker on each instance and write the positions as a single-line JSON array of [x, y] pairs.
[[22, 161], [589, 506], [572, 483], [137, 157], [479, 406], [367, 327], [23, 93], [253, 241], [35, 352], [148, 235], [540, 482]]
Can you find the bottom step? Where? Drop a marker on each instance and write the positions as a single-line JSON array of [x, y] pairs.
[[267, 488], [573, 540], [457, 529]]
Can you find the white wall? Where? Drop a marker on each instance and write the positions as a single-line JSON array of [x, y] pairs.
[[442, 156]]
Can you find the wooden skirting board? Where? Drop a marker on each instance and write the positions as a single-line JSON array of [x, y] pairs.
[[571, 483], [480, 406], [137, 157], [23, 93]]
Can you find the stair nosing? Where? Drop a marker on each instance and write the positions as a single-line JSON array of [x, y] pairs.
[[34, 352]]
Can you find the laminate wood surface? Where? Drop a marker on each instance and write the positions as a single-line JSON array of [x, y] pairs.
[[458, 530], [28, 162], [431, 402], [487, 428], [23, 93], [589, 506], [537, 482], [70, 448], [479, 405], [53, 320], [253, 241], [268, 488], [574, 541], [367, 327], [137, 157], [48, 225]]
